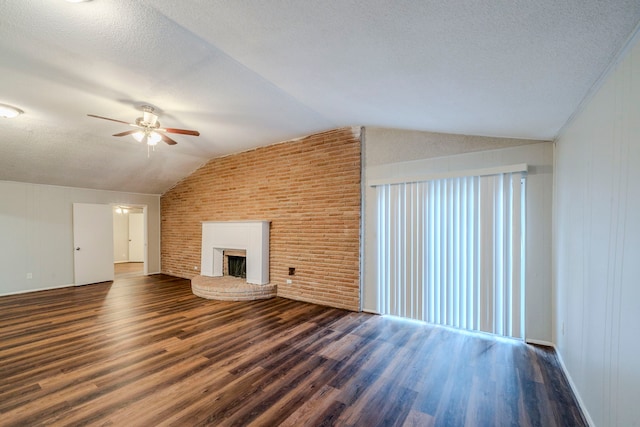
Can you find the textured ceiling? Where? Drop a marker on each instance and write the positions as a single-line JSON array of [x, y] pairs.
[[248, 73]]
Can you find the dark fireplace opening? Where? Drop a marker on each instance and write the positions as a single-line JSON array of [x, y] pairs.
[[237, 266]]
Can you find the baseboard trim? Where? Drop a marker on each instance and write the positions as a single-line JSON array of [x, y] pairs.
[[36, 290], [567, 375], [574, 389]]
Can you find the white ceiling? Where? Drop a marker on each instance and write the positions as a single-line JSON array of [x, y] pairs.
[[250, 73]]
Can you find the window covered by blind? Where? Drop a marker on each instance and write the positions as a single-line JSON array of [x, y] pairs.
[[450, 252]]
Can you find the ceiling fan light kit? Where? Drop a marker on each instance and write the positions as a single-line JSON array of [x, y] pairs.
[[150, 138], [148, 130]]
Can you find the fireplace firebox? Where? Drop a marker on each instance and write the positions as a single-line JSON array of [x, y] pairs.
[[237, 266]]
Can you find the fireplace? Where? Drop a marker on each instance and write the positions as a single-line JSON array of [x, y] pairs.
[[248, 239], [234, 263]]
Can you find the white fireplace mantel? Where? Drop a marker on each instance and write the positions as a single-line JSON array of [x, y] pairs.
[[251, 236]]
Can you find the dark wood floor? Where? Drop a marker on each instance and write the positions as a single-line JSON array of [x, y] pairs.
[[124, 270], [145, 351]]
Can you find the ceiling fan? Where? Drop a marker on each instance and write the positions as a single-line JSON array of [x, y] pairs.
[[148, 128]]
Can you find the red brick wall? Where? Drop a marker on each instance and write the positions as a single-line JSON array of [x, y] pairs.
[[310, 191]]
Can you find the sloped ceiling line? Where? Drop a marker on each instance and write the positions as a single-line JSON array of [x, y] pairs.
[[247, 74]]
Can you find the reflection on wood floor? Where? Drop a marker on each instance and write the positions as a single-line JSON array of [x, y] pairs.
[[144, 351], [123, 270]]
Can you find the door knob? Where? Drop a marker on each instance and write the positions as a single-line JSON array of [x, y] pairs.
[[78, 248]]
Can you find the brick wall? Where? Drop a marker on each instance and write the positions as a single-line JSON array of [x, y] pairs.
[[310, 191]]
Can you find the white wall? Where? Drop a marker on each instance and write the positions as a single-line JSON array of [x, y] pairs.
[[36, 233], [597, 248], [465, 153]]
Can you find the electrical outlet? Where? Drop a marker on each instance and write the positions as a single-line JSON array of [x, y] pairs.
[[29, 275], [195, 268], [289, 281]]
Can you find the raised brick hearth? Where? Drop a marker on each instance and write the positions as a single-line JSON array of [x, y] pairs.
[[229, 288]]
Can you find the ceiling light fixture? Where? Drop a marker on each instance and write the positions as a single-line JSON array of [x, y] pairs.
[[9, 112], [150, 138], [153, 138]]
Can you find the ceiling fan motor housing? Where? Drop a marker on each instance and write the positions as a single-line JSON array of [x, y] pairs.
[[148, 119]]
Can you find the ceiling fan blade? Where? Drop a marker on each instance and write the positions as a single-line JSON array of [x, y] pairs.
[[125, 133], [166, 139], [180, 131], [107, 118]]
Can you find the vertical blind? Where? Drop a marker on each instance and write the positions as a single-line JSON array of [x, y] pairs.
[[451, 252]]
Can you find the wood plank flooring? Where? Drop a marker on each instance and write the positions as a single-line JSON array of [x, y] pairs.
[[144, 351], [125, 270]]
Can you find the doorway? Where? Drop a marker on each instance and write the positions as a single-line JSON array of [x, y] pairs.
[[129, 241]]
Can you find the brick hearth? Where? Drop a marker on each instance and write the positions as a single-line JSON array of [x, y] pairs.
[[229, 288]]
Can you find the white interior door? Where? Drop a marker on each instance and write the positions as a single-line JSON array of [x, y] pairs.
[[92, 243], [120, 236], [136, 237]]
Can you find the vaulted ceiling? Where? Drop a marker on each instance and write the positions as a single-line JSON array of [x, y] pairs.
[[250, 73]]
